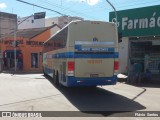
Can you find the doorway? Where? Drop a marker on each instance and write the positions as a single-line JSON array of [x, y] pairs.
[[9, 59]]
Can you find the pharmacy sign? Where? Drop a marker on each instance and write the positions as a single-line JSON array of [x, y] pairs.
[[138, 22]]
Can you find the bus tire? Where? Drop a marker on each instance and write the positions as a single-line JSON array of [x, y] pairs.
[[56, 79], [54, 76], [44, 72]]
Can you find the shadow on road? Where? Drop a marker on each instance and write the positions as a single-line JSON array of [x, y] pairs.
[[98, 100]]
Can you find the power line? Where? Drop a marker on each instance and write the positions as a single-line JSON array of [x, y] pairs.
[[25, 19], [131, 4], [41, 7], [121, 5], [65, 9]]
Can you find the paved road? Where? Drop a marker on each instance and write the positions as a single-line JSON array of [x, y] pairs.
[[33, 92]]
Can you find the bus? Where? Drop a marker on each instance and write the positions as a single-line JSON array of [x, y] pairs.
[[83, 53]]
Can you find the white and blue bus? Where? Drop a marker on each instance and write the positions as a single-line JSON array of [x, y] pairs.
[[84, 53]]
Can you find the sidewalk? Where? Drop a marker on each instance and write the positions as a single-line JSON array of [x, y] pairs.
[[155, 79], [21, 72]]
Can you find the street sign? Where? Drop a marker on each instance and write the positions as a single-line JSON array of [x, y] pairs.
[[39, 15], [143, 21]]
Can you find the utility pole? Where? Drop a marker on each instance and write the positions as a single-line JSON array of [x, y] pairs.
[[15, 52], [114, 10], [15, 35], [0, 53]]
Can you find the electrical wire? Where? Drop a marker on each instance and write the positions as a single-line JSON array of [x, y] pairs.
[[65, 9], [41, 7]]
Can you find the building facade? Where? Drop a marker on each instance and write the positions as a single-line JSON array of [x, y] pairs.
[[28, 50], [30, 21], [60, 21], [140, 29], [34, 21], [8, 24]]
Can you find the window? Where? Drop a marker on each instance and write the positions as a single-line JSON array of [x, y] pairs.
[[32, 21], [57, 42], [34, 60], [60, 39]]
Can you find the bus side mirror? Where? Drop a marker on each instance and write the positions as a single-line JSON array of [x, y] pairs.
[[119, 37]]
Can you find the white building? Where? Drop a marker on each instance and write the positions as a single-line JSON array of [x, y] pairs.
[[60, 21], [31, 22]]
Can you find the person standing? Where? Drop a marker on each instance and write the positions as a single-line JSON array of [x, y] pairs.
[[147, 76], [138, 72], [20, 61], [131, 73]]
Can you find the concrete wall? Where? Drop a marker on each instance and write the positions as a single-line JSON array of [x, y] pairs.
[[54, 30], [0, 65], [30, 22], [51, 21], [60, 21], [123, 55], [8, 23]]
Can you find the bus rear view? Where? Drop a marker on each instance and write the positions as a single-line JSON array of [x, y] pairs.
[[95, 46], [84, 53]]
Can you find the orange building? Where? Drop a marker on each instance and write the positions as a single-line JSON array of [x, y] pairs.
[[29, 49]]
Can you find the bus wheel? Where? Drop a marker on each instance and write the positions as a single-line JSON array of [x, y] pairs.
[[54, 76], [56, 79], [44, 73]]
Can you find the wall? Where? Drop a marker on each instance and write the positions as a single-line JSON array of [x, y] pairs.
[[123, 55], [60, 21], [34, 45], [30, 23], [53, 31], [8, 23], [51, 21], [28, 46]]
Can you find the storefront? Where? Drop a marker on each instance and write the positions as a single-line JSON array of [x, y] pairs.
[[140, 29], [28, 49]]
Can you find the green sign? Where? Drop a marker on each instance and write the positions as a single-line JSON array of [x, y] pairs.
[[138, 22]]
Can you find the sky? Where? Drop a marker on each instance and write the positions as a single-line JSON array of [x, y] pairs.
[[87, 9]]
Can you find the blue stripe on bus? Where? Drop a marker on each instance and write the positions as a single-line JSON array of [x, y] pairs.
[[74, 81], [77, 81], [79, 55], [48, 71], [81, 49]]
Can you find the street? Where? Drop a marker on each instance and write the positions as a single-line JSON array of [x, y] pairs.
[[34, 92]]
